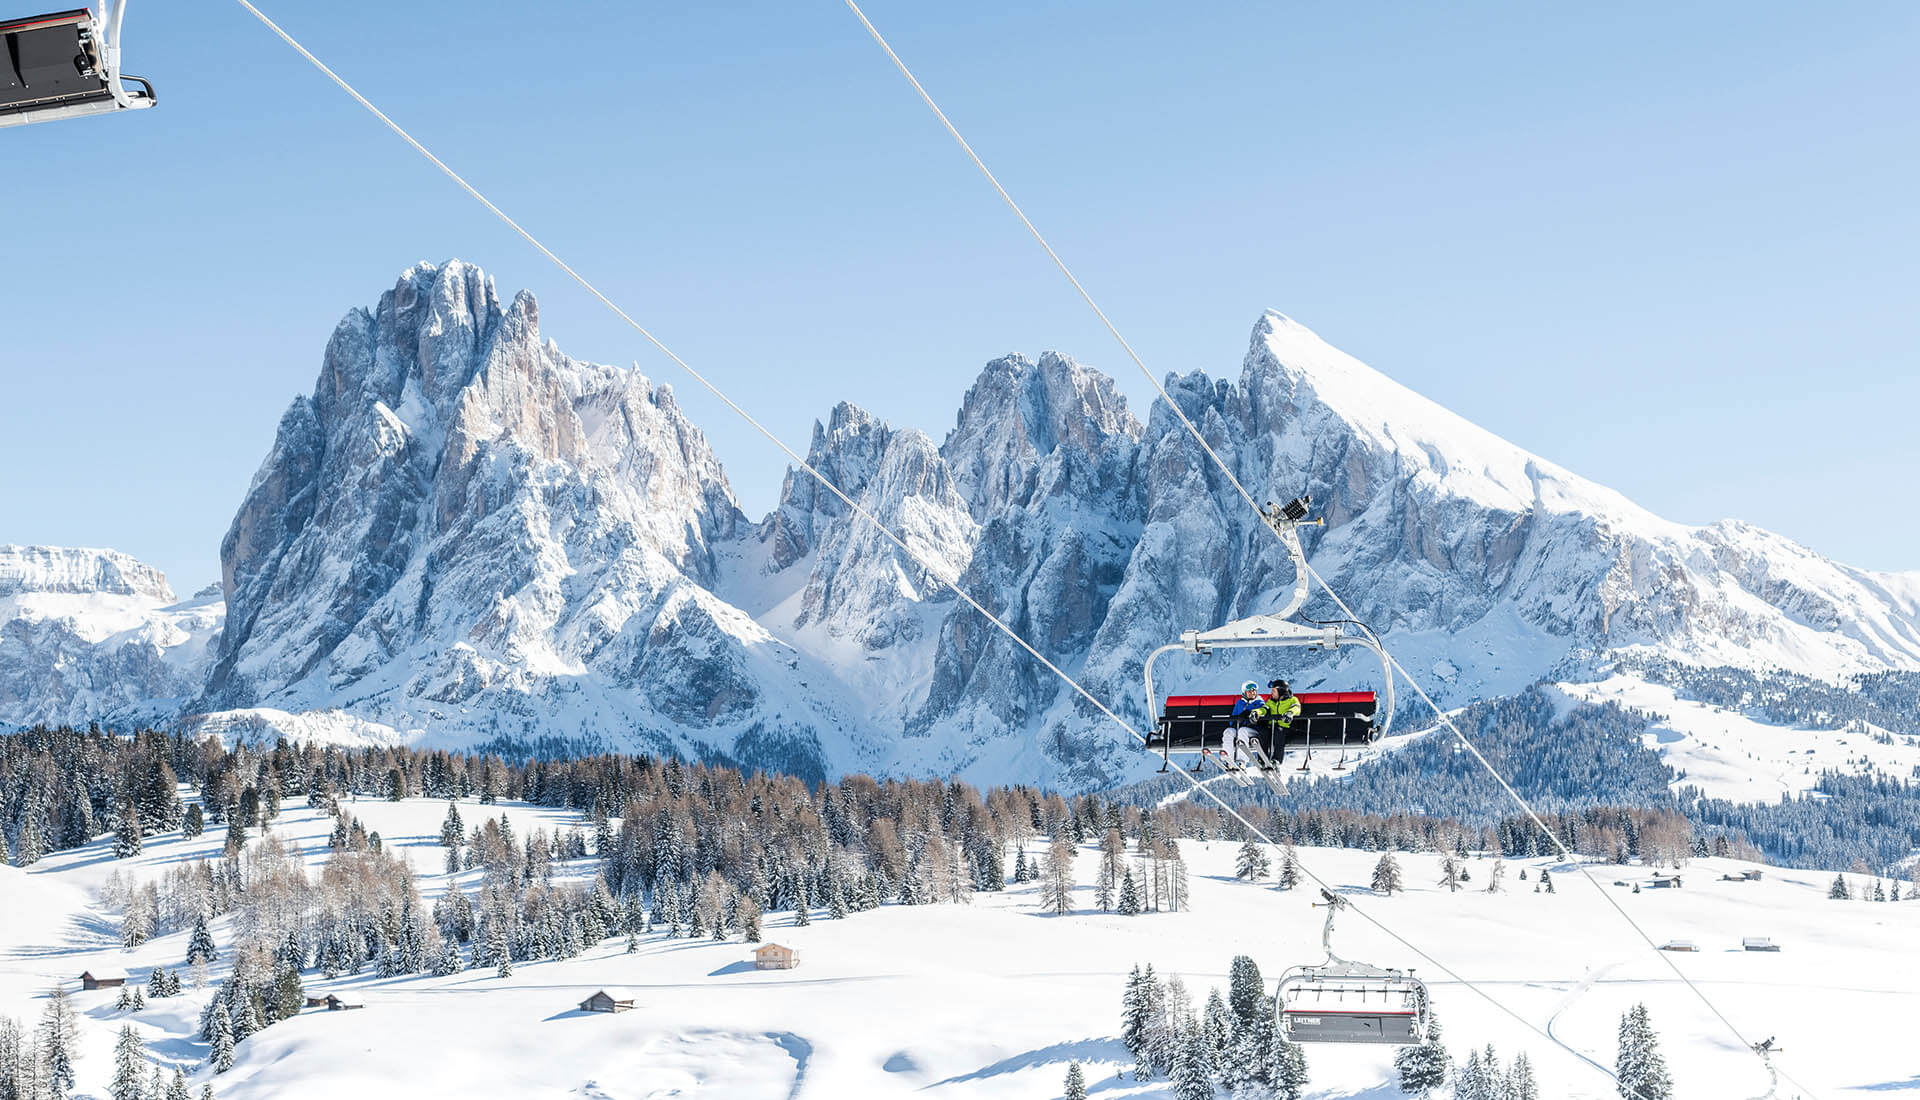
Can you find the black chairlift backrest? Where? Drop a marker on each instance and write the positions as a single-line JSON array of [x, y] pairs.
[[50, 58], [51, 68]]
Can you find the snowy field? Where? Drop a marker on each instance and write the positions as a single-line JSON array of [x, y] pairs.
[[1731, 755], [993, 999]]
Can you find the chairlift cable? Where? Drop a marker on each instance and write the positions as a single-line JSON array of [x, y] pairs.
[[1233, 480], [867, 515]]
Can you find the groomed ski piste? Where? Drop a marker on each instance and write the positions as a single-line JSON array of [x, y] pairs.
[[994, 998]]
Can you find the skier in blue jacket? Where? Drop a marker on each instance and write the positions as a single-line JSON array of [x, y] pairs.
[[1237, 744]]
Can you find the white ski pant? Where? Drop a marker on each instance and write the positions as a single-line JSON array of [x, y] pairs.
[[1237, 745]]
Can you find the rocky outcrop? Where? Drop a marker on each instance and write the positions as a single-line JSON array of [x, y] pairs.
[[464, 536]]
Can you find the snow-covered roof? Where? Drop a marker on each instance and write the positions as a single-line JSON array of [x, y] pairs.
[[99, 972], [771, 947], [613, 995]]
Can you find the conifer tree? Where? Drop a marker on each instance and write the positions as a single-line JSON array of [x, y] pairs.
[[1192, 1072], [1472, 1079], [1217, 1023], [129, 1066], [1423, 1068], [1250, 863], [1521, 1083], [126, 834], [1076, 1086], [452, 828], [1056, 877], [1129, 904], [750, 919], [200, 945], [1247, 992], [1288, 1068], [1289, 869], [1838, 891], [1546, 880], [191, 826], [139, 999], [177, 1087], [1386, 875], [1451, 872], [58, 1032], [222, 1038], [1134, 1019], [1641, 1070]]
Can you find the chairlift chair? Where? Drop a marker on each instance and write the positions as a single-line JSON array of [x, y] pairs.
[[1187, 722], [66, 64], [1338, 1001]]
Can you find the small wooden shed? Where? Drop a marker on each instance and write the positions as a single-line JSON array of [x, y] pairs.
[[1679, 945], [1664, 882], [316, 1001], [102, 978], [775, 956], [1759, 943], [608, 1000], [337, 1003]]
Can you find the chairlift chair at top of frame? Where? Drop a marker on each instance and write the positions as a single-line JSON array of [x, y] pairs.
[[66, 64]]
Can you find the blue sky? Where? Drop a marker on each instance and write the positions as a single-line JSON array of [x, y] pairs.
[[1671, 249]]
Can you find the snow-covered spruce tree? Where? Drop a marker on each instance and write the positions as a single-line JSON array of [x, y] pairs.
[[1641, 1070], [1386, 875], [1287, 1068], [193, 822], [1217, 1023], [1247, 992], [59, 1030], [1473, 1078], [1076, 1084], [1289, 869], [1129, 904], [452, 829], [129, 1066], [1135, 1003], [1838, 891], [221, 1035], [1250, 863], [177, 1086], [1191, 1074], [1423, 1068], [1521, 1083], [126, 834], [1056, 876]]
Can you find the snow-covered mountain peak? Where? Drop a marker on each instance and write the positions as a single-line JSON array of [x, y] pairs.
[[1019, 411], [1290, 370], [79, 571]]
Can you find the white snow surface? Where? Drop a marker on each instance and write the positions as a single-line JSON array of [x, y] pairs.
[[994, 998], [1731, 755]]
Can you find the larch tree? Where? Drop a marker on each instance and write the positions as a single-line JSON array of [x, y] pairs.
[[58, 1032], [1056, 876]]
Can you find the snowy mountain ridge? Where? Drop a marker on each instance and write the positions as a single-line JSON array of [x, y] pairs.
[[466, 537]]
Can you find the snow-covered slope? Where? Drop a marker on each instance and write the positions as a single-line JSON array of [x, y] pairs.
[[95, 635], [463, 535], [992, 999]]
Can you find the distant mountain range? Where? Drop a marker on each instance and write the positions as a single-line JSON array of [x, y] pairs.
[[464, 537]]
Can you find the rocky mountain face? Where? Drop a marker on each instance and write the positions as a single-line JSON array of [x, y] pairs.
[[464, 536], [91, 635]]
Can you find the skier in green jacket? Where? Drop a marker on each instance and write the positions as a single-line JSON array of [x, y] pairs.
[[1279, 713]]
